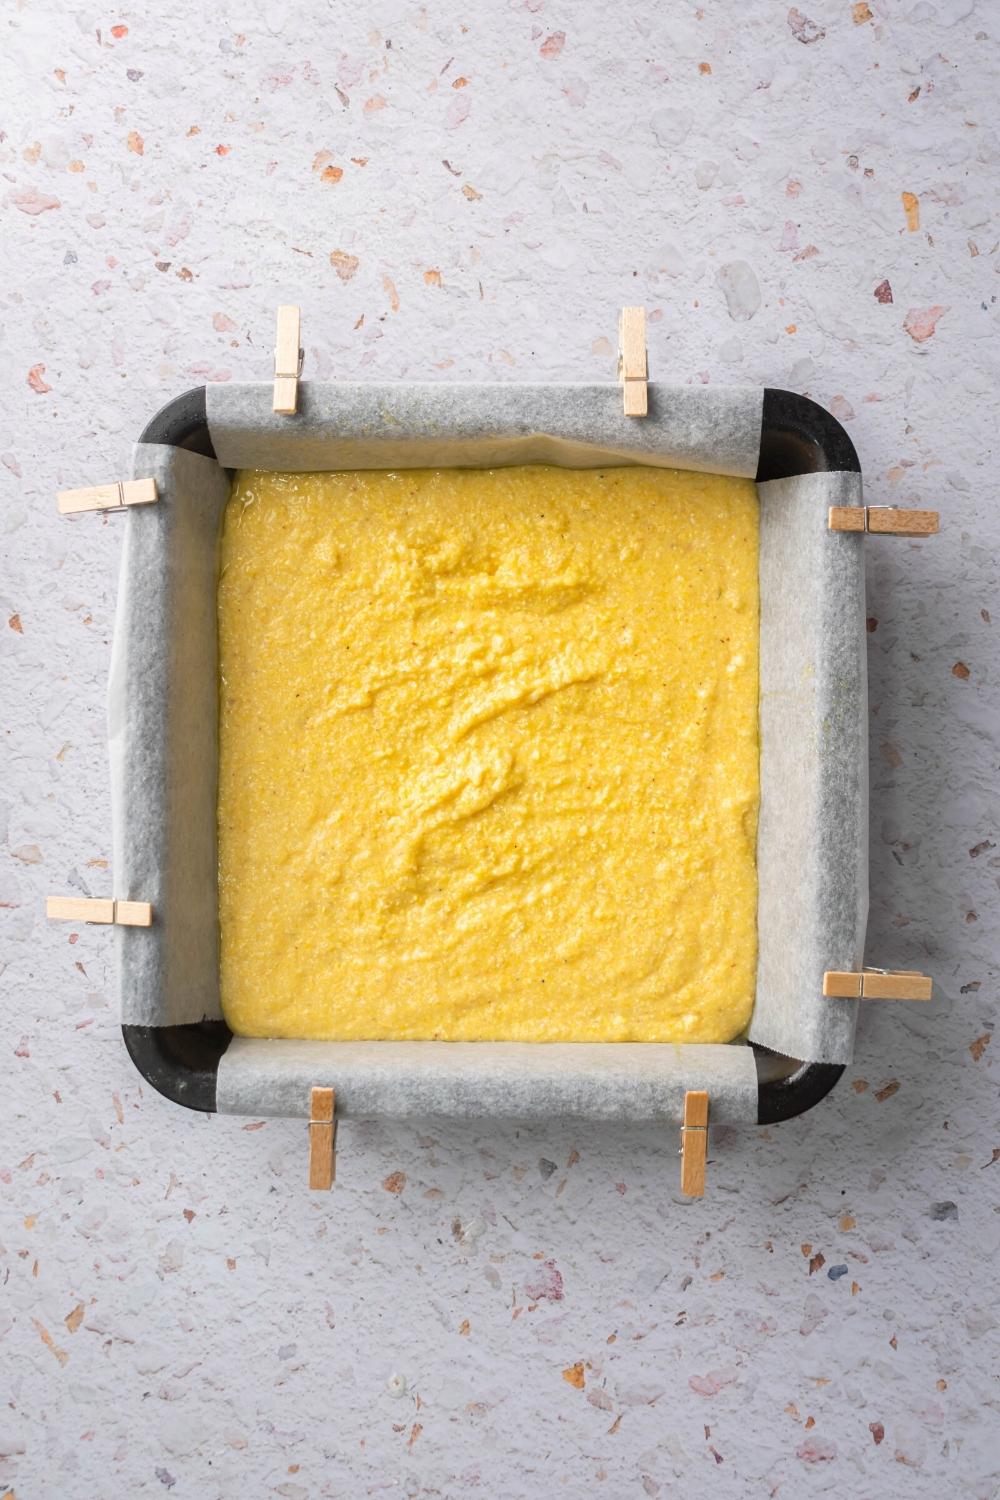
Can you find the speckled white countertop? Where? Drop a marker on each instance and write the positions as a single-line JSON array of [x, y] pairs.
[[472, 194]]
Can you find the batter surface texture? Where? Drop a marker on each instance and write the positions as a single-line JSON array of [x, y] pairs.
[[488, 764]]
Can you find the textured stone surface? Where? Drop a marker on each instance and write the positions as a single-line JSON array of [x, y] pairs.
[[473, 194]]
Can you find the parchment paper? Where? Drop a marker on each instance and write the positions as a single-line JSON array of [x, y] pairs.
[[714, 430], [812, 840], [812, 847], [163, 740], [489, 1080]]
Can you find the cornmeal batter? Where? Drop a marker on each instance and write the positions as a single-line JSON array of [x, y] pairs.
[[489, 755]]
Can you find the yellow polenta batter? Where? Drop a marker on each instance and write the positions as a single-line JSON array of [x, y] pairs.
[[489, 755]]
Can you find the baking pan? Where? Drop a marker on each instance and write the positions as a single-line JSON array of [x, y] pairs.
[[796, 438]]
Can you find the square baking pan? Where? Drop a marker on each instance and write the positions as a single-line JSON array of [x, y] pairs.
[[812, 841]]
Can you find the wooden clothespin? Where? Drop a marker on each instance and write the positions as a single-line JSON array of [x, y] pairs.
[[287, 362], [877, 984], [882, 520], [108, 496], [88, 909], [322, 1134], [694, 1144], [633, 368]]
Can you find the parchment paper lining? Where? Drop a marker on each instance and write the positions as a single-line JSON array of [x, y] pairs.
[[488, 1080], [714, 430], [812, 838], [163, 741], [812, 848]]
